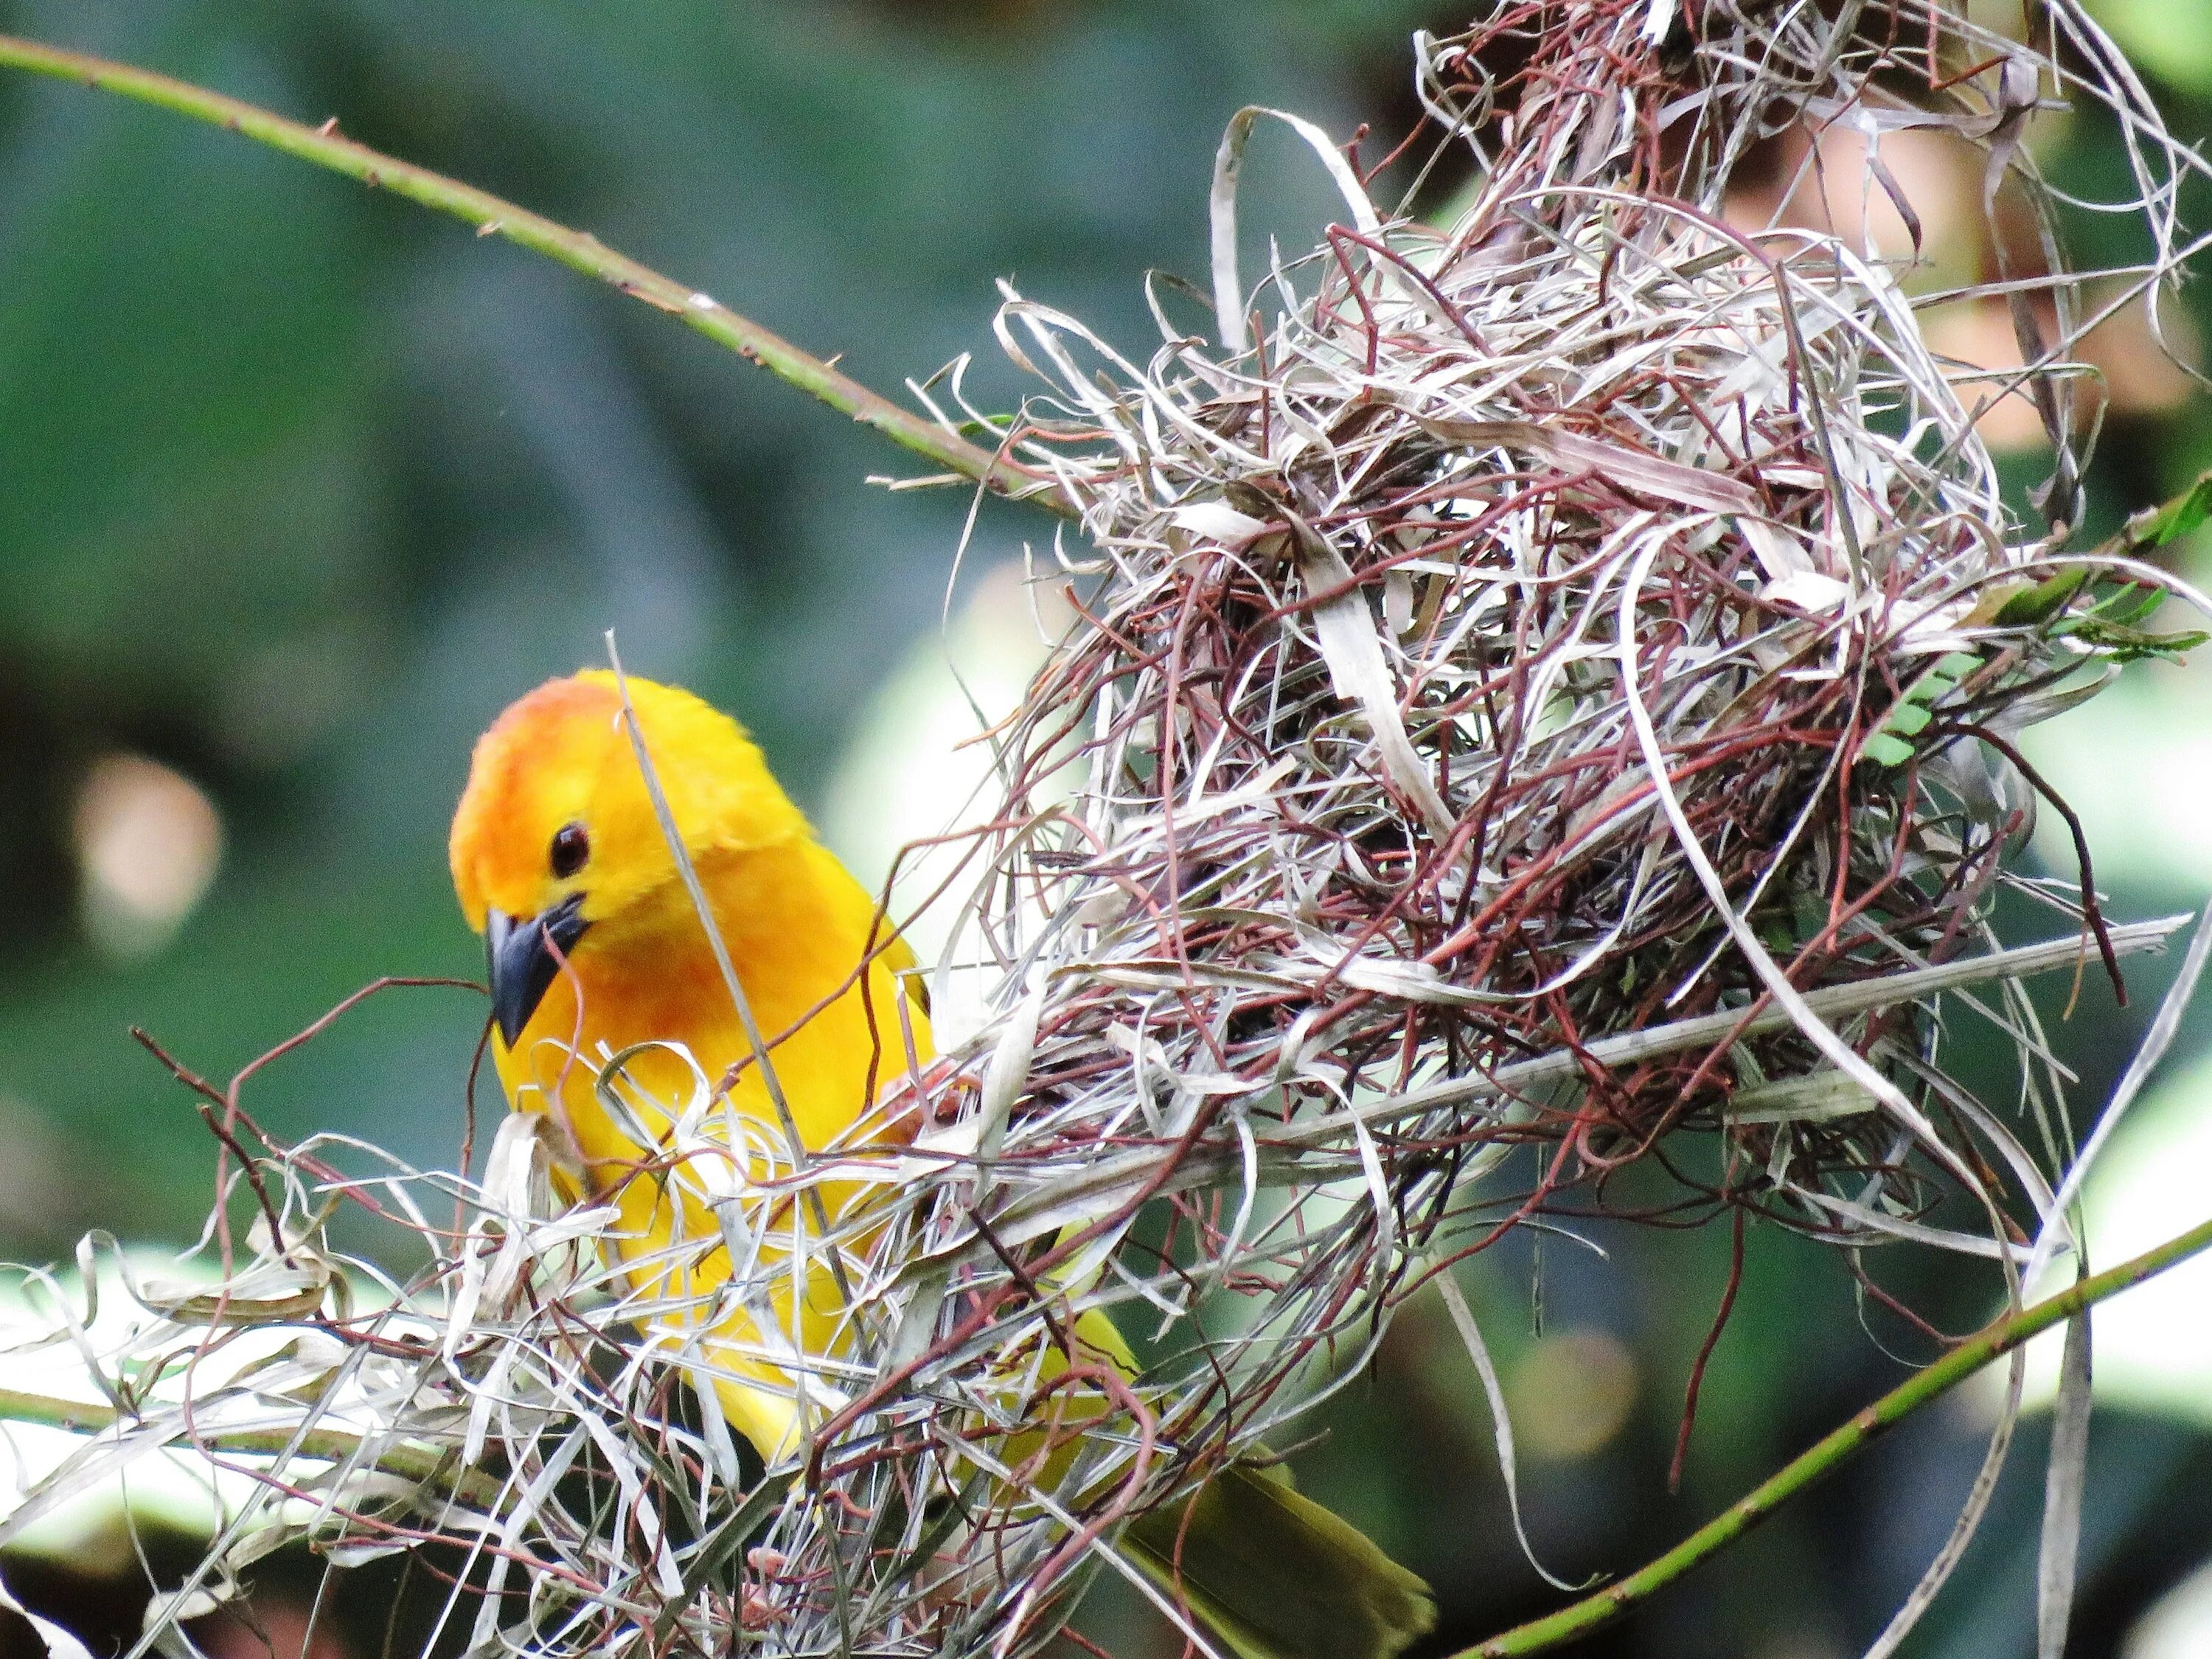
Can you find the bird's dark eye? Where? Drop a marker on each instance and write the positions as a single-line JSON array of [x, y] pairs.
[[571, 848]]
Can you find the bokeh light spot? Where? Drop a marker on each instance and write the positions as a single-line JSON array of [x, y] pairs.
[[1571, 1393], [148, 843]]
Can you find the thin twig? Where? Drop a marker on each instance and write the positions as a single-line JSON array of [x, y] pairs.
[[1578, 1619], [326, 147]]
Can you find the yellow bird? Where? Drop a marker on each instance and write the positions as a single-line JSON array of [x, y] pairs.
[[596, 954]]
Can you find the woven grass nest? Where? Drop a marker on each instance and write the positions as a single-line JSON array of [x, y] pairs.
[[1542, 701]]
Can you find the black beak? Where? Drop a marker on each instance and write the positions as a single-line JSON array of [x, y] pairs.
[[523, 959]]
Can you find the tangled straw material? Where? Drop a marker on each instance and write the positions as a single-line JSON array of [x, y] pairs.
[[1541, 702]]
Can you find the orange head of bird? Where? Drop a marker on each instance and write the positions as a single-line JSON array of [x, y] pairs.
[[557, 833]]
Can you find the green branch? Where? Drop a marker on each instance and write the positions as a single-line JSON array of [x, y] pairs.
[[1578, 1619], [417, 1464], [325, 147]]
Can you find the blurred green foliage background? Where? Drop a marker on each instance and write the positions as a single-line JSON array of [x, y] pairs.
[[301, 485]]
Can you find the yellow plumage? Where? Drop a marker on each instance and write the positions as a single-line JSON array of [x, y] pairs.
[[597, 952], [642, 971]]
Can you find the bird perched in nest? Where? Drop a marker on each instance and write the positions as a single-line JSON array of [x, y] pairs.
[[599, 958]]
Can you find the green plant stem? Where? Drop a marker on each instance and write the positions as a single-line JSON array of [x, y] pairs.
[[1578, 1619], [325, 147], [321, 1445]]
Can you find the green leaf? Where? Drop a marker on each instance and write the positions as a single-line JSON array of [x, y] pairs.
[[2154, 526], [1907, 719], [2025, 607], [1810, 911], [1932, 687], [2147, 601], [2125, 644], [1883, 749], [2129, 605]]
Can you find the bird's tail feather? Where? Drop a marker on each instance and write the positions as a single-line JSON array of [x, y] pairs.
[[1275, 1576]]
